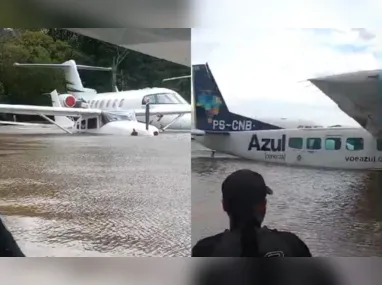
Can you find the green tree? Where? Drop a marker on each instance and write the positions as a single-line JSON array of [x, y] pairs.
[[137, 70], [25, 85]]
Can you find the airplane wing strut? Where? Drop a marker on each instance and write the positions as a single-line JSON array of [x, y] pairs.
[[147, 112], [172, 122], [54, 123]]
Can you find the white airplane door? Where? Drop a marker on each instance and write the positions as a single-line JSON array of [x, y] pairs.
[[295, 147], [312, 150], [332, 146]]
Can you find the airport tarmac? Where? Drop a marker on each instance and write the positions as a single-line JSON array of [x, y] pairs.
[[81, 195], [337, 213]]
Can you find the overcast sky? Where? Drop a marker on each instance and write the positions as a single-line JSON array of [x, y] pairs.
[[292, 13], [261, 72], [259, 69]]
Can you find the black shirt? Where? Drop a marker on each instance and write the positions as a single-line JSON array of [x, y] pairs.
[[271, 243], [253, 271]]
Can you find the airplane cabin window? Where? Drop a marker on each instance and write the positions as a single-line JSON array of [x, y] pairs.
[[121, 103], [96, 104], [313, 143], [115, 103], [295, 143], [354, 144], [379, 144], [333, 143], [101, 105], [108, 104], [92, 103]]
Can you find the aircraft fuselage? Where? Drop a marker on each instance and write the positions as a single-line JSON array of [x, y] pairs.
[[160, 99], [342, 148]]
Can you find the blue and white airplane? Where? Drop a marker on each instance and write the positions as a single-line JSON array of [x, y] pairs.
[[289, 142]]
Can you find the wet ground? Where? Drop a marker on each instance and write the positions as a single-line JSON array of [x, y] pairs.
[[79, 195], [337, 213]]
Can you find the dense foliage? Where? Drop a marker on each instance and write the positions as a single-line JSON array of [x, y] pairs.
[[26, 85]]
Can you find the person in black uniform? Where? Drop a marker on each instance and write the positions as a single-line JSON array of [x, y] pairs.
[[254, 271], [244, 200], [8, 245]]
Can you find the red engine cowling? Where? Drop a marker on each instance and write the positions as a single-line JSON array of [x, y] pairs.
[[68, 100]]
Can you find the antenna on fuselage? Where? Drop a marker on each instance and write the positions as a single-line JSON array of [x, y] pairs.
[[176, 78]]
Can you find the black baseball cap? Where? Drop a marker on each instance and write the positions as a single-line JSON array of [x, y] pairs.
[[244, 186]]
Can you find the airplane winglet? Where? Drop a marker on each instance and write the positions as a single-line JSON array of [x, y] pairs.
[[66, 64]]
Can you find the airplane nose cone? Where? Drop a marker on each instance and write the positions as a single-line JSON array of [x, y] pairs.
[[153, 130]]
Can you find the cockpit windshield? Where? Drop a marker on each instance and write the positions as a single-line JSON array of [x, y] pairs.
[[169, 98], [108, 117]]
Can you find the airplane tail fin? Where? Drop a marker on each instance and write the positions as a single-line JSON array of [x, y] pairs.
[[211, 111], [72, 77], [61, 120]]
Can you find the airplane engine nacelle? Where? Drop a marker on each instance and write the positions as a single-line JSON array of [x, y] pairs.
[[68, 100]]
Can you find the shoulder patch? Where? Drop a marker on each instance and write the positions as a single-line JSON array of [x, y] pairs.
[[274, 254]]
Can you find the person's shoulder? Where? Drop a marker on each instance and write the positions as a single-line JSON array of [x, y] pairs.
[[205, 245], [286, 234], [292, 239], [209, 241]]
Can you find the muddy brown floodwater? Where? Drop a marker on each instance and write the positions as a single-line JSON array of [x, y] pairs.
[[337, 213], [63, 195]]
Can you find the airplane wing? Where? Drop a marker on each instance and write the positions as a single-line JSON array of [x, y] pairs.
[[47, 111], [141, 112], [358, 94], [11, 123]]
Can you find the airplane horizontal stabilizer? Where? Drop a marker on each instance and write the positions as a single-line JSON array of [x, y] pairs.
[[67, 64], [218, 133]]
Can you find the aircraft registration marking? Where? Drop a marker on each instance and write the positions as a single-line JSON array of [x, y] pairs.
[[235, 125]]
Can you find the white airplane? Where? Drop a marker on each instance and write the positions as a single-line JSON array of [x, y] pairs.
[[309, 146], [171, 110], [88, 120], [23, 124]]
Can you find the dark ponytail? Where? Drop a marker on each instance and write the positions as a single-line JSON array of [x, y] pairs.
[[248, 239], [247, 224]]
